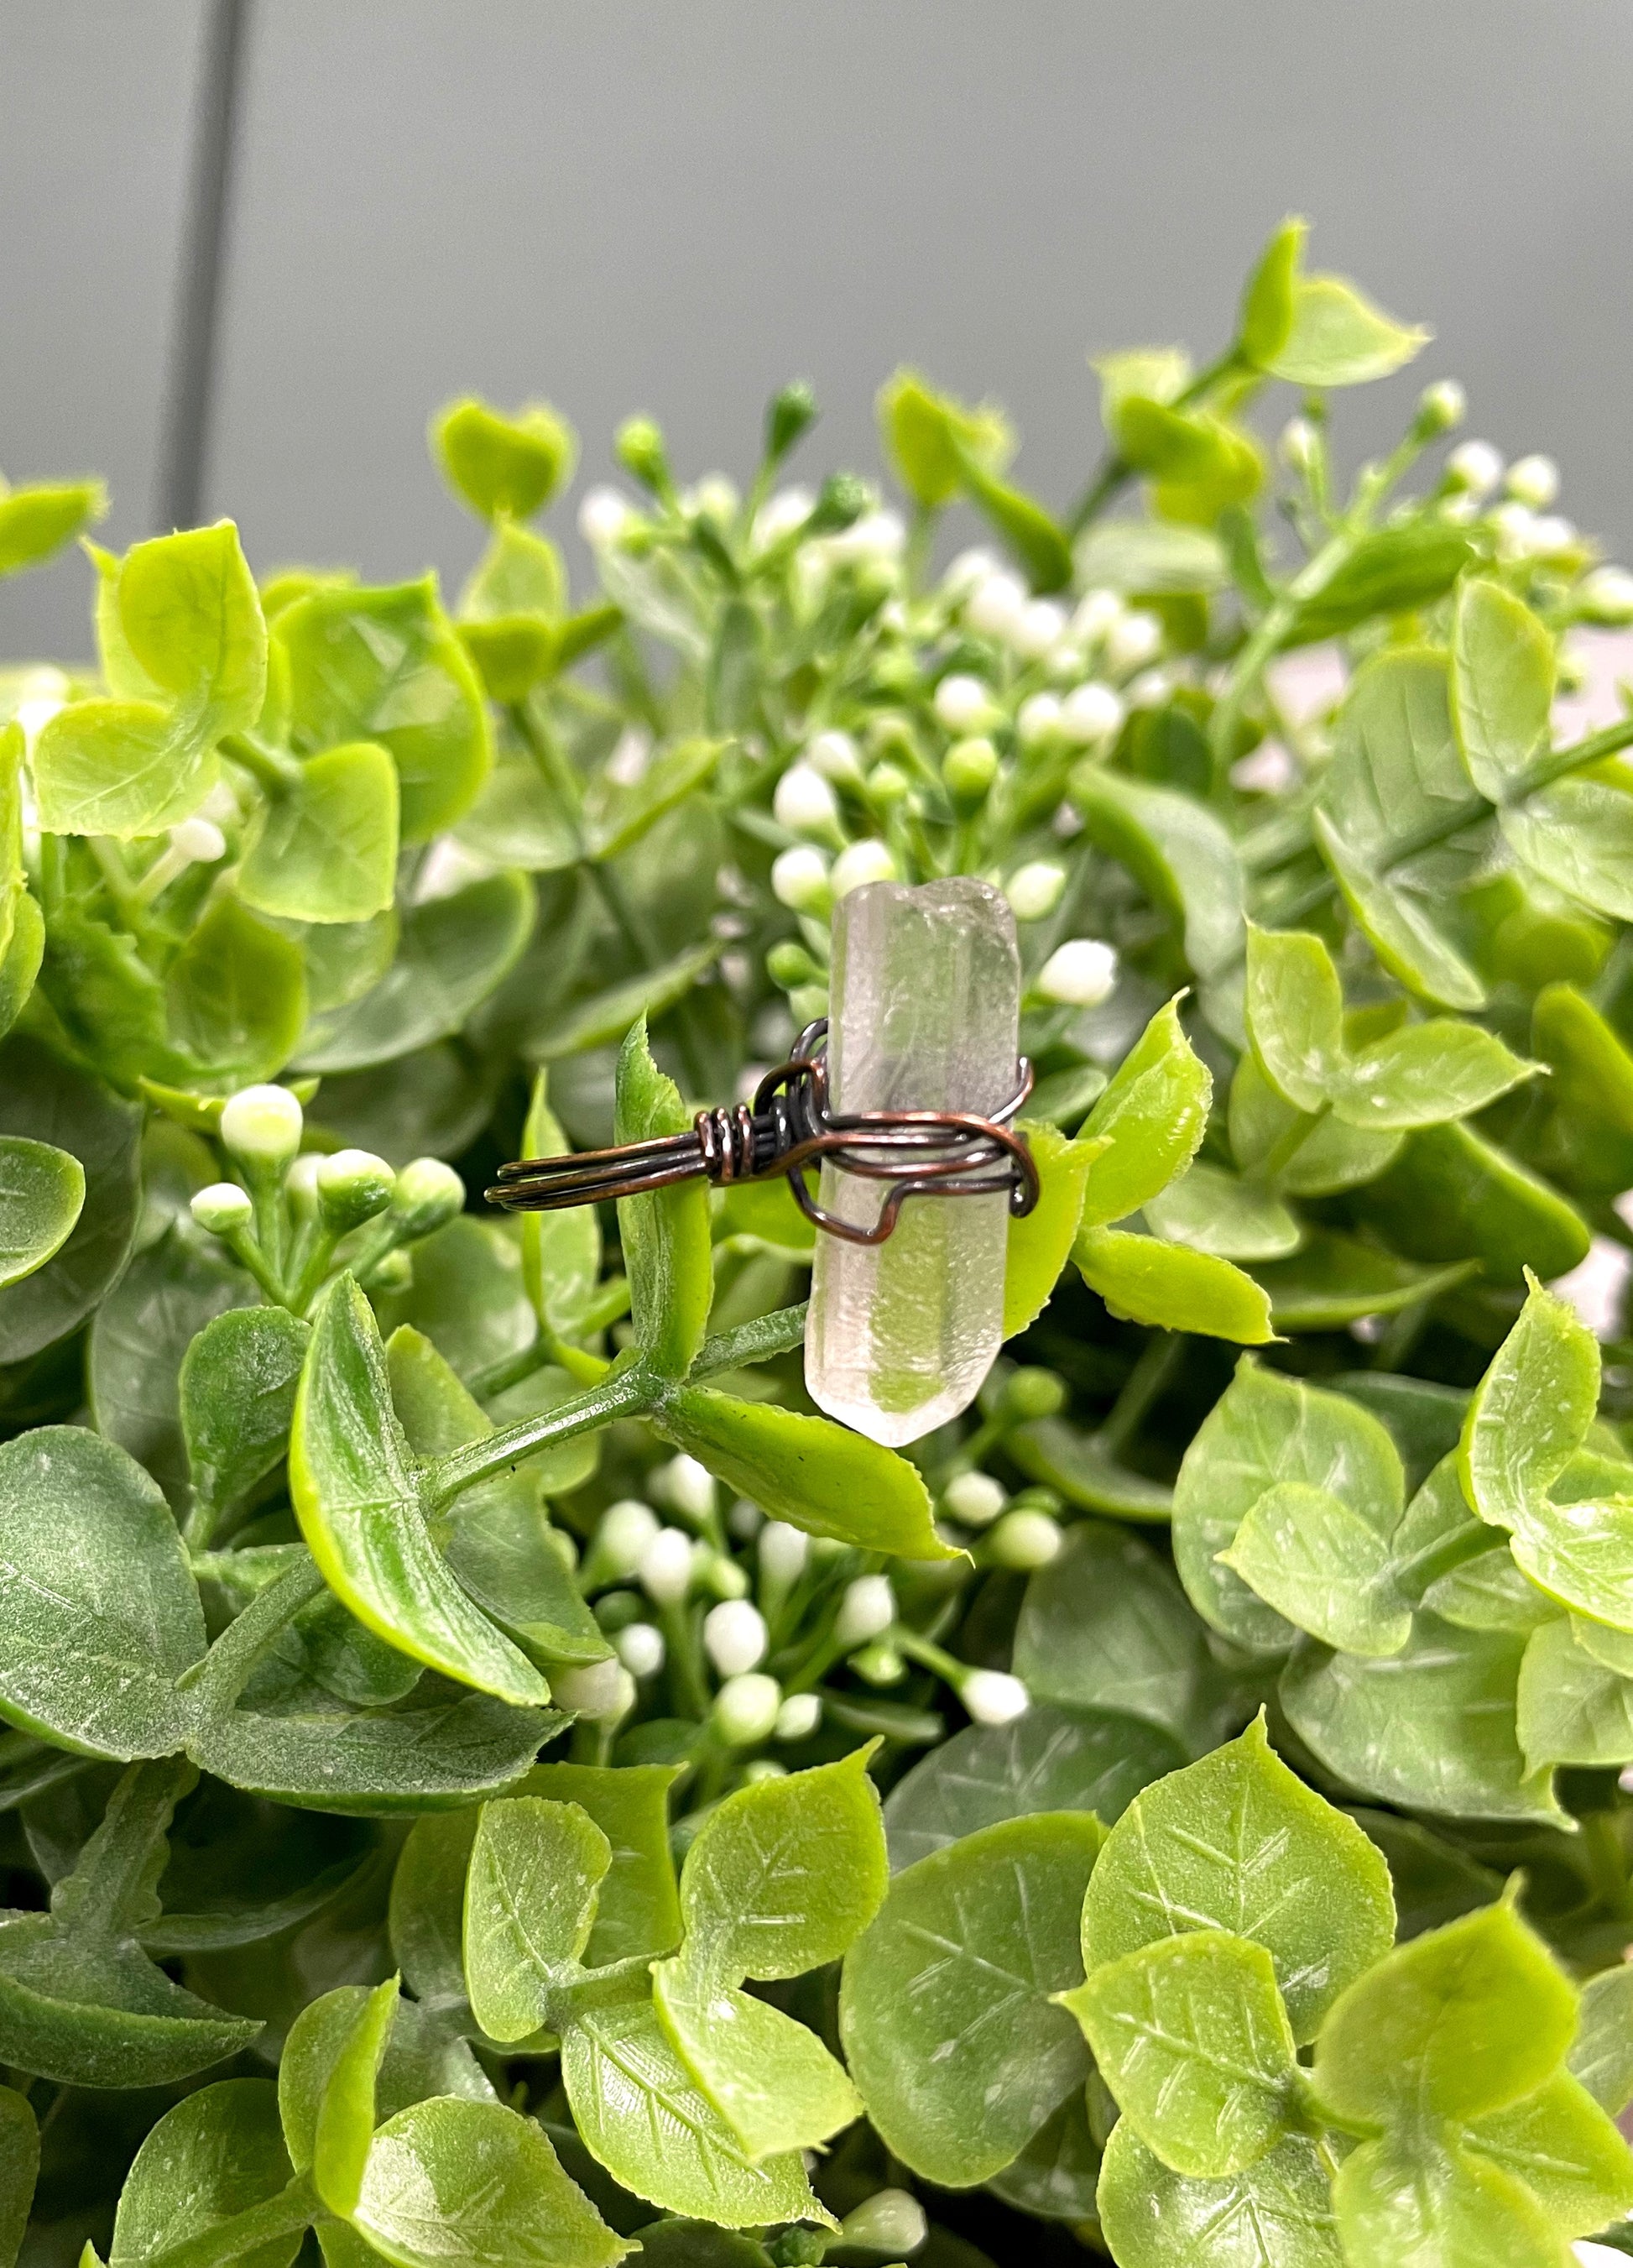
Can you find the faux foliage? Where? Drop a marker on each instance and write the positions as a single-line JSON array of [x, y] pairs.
[[491, 1776]]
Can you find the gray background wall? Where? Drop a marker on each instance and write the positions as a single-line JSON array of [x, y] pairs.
[[636, 204]]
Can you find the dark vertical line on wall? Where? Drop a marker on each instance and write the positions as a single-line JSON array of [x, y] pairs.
[[191, 397]]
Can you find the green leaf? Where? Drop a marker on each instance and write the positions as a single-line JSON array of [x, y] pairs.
[[1050, 1759], [643, 2115], [468, 1296], [356, 1496], [1337, 337], [773, 2081], [346, 2107], [20, 2165], [665, 1235], [386, 665], [42, 1193], [1409, 2200], [451, 2184], [519, 575], [1238, 1843], [1326, 1156], [98, 1609], [46, 1100], [451, 954], [1055, 2175], [1035, 541], [1276, 2215], [815, 1475], [1431, 1728], [237, 994], [38, 521], [1464, 2020], [504, 467], [608, 1016], [626, 813], [1039, 1243], [1579, 836], [1106, 1626], [1503, 673], [1336, 1279], [1268, 303], [1172, 1287], [1571, 1709], [1179, 853], [1566, 2151], [1394, 570], [1151, 1118], [121, 767], [947, 2007], [1580, 1553], [1531, 1412], [192, 619], [560, 1251], [1601, 2052], [639, 1909], [1449, 1193], [928, 437], [236, 1396], [1211, 1210], [215, 2157], [1191, 2035], [19, 962], [327, 850], [1151, 557], [1295, 1015], [1326, 1565], [1075, 1463], [530, 1898], [1426, 1073]]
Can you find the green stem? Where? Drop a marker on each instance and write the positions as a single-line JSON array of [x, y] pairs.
[[249, 1255], [541, 1351], [621, 1394], [1144, 1382], [1282, 1151], [272, 771], [551, 759], [777, 1333], [687, 1681]]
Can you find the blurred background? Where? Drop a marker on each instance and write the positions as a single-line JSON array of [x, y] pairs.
[[627, 204]]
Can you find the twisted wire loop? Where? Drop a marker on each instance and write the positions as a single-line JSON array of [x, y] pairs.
[[790, 1129]]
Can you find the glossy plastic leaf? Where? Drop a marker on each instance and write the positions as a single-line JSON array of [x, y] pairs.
[[40, 519], [1276, 2215], [1106, 1626], [1571, 1709], [1040, 1242], [1179, 854], [530, 1899], [1336, 1279], [1579, 836], [503, 467], [452, 2184], [1074, 1462], [1172, 1287], [346, 2107], [236, 994], [639, 1910], [1581, 1555], [1297, 1153], [773, 2081], [560, 1251], [215, 2156], [1530, 1411], [1324, 1564], [1450, 1192], [1567, 2152], [1426, 1073], [1151, 1119], [236, 1401], [1191, 2035], [357, 1499], [192, 619], [20, 2165], [947, 2008], [42, 1193], [1337, 337], [326, 850], [665, 1235], [1295, 1015], [1404, 2201], [1502, 673], [46, 1100], [1214, 1211], [1601, 2052]]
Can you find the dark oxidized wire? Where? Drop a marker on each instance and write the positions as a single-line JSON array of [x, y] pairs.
[[790, 1129]]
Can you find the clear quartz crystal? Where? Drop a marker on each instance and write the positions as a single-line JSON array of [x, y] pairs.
[[924, 1015]]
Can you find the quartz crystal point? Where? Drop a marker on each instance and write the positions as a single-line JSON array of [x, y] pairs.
[[924, 1015]]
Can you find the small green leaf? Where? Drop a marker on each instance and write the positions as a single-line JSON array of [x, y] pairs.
[[1580, 1553], [1191, 2035], [1179, 854], [1336, 1279], [1267, 318], [560, 1251], [605, 1017], [928, 438], [192, 619], [1151, 1118], [1039, 1243], [346, 2108], [1601, 2052], [1326, 1155], [503, 467], [42, 1193], [1449, 1193], [1337, 337], [495, 2192], [1502, 673], [1074, 1462], [1324, 1564], [1295, 1015], [1276, 2215], [121, 767], [626, 813], [1571, 1709], [1579, 836], [947, 2009], [237, 1401], [815, 1475], [44, 1099], [530, 1899], [1462, 2021], [1238, 1843], [207, 2164], [1036, 542], [639, 1909], [1426, 1073], [1531, 1412], [357, 1499], [19, 2166], [237, 994], [326, 850], [773, 2081], [1565, 2149], [1422, 2197], [1106, 1626], [1172, 1287], [665, 1235], [1394, 571], [36, 521]]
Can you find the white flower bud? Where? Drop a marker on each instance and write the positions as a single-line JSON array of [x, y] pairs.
[[876, 535], [745, 1519], [735, 1637], [867, 1608], [1150, 689], [1512, 524], [804, 802], [1080, 974], [993, 1698], [199, 841], [263, 1124], [835, 755], [622, 1540], [1533, 480], [1551, 533], [1041, 622], [1298, 444], [975, 1498], [1038, 719], [995, 608], [666, 1569], [799, 1717], [757, 1769], [784, 1552], [1133, 639], [878, 1664], [1441, 406], [969, 571], [428, 1195], [604, 1692], [640, 1647], [781, 514], [353, 1185], [300, 1184], [714, 497], [891, 2220], [963, 703], [799, 879], [223, 1207], [1025, 1541], [1606, 596], [1096, 611], [1091, 713], [1034, 889], [603, 517], [1475, 467], [688, 1486], [867, 861], [745, 1708]]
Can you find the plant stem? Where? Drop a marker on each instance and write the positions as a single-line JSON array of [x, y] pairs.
[[1145, 1381], [621, 1394], [777, 1333]]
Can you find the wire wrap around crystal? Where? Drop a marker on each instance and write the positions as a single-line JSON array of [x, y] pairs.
[[790, 1129]]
